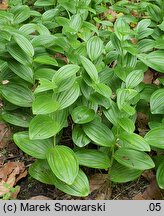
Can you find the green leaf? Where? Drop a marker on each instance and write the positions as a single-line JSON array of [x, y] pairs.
[[22, 71], [17, 53], [99, 133], [93, 158], [82, 115], [44, 104], [44, 73], [94, 47], [142, 29], [102, 89], [90, 68], [17, 94], [134, 159], [127, 124], [17, 118], [122, 174], [134, 78], [63, 163], [121, 29], [79, 137], [154, 60], [155, 12], [24, 44], [79, 188], [133, 141], [112, 114], [44, 85], [21, 13], [160, 175], [65, 72], [43, 127], [44, 3], [67, 98], [124, 97], [76, 22], [155, 137], [41, 171], [34, 148], [157, 102], [45, 59]]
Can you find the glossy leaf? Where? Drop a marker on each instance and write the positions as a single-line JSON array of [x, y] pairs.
[[43, 127], [63, 163], [17, 94], [112, 114], [17, 118], [82, 115], [102, 89], [160, 175], [22, 71], [24, 43], [122, 174], [155, 137], [79, 137], [90, 68], [133, 141], [45, 59], [134, 159], [94, 47], [154, 60], [127, 124], [134, 78], [34, 148], [67, 98], [44, 104], [157, 102], [99, 133], [93, 158]]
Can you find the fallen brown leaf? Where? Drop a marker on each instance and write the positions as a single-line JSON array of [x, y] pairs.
[[40, 198], [97, 181], [148, 77], [10, 173], [5, 135], [3, 4]]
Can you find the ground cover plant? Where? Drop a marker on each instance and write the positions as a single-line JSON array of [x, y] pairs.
[[82, 64]]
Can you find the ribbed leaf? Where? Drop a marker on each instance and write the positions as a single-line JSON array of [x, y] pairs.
[[63, 163], [22, 71], [133, 141], [134, 159], [94, 47], [43, 127], [41, 171], [93, 158], [127, 124], [112, 114], [67, 98], [24, 43], [154, 60], [45, 85], [99, 133], [43, 3], [34, 148], [21, 13], [155, 137], [102, 89], [65, 72], [44, 104], [79, 188], [122, 174], [79, 137], [45, 59], [76, 22], [157, 102], [17, 53], [17, 118], [160, 175], [134, 78], [17, 94], [82, 115], [90, 68]]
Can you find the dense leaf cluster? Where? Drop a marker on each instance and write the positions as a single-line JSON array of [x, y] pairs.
[[82, 62]]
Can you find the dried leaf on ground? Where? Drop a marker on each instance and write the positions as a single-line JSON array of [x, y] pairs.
[[141, 123], [4, 5], [40, 198], [10, 173], [152, 192], [97, 180], [148, 77], [5, 135]]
